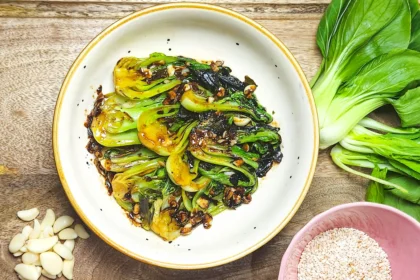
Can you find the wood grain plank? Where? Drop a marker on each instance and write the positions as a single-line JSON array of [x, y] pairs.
[[35, 55], [97, 260], [118, 10], [237, 2]]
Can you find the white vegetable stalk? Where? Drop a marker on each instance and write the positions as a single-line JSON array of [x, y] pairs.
[[336, 131], [336, 159]]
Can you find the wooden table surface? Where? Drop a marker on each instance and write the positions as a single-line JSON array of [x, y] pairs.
[[39, 40]]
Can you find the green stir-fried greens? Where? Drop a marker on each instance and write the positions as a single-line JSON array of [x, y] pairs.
[[180, 141]]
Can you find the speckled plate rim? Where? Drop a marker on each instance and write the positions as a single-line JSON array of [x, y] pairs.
[[155, 9]]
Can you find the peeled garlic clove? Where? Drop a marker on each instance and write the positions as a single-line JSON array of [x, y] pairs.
[[39, 270], [49, 219], [69, 244], [63, 251], [62, 223], [171, 70], [27, 231], [249, 89], [28, 215], [67, 233], [51, 262], [41, 245], [36, 231], [47, 232], [59, 275], [46, 274], [30, 258], [23, 249], [68, 269], [27, 271], [17, 242], [81, 231], [18, 254], [241, 121]]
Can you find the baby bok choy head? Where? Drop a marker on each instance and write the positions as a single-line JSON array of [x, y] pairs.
[[115, 121], [352, 33], [121, 159], [137, 78], [132, 180], [195, 101], [383, 78], [145, 191], [358, 40], [183, 170], [160, 131]]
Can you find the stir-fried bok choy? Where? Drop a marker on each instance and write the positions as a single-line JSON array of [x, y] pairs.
[[178, 141]]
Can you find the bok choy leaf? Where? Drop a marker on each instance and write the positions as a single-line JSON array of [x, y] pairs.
[[415, 33], [378, 193], [408, 108], [352, 33]]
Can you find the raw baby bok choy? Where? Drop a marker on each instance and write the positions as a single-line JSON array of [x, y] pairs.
[[363, 44], [180, 141], [383, 78], [382, 194], [393, 154]]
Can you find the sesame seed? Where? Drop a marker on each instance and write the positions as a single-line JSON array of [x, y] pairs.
[[343, 253]]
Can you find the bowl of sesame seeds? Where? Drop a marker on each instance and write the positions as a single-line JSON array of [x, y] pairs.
[[359, 240]]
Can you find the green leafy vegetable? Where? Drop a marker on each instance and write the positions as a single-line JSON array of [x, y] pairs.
[[358, 40], [415, 33], [379, 194], [370, 59], [180, 141], [352, 33], [408, 108], [120, 159], [236, 102], [260, 133], [132, 76], [383, 78], [217, 158], [398, 151], [116, 124], [179, 172], [154, 132]]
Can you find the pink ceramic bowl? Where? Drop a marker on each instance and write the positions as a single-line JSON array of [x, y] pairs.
[[397, 233]]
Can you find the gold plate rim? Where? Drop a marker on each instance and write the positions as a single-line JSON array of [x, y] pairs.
[[158, 8]]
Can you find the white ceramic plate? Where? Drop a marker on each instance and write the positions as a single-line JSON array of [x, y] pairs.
[[202, 32]]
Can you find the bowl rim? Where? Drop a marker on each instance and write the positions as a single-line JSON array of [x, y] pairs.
[[328, 212], [159, 8]]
